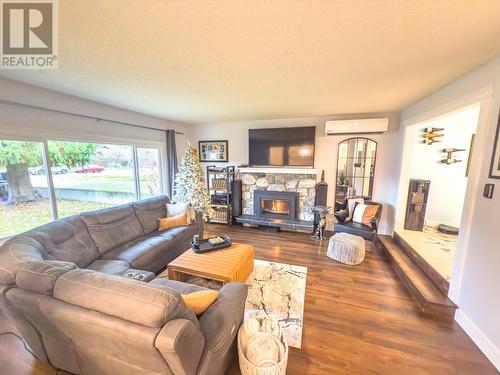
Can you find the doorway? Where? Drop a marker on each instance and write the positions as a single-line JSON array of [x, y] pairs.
[[437, 154]]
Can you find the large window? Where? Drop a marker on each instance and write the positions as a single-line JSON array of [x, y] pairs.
[[84, 177], [22, 204], [88, 176], [148, 160]]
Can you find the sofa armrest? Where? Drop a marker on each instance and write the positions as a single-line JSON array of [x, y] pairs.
[[220, 323], [181, 344]]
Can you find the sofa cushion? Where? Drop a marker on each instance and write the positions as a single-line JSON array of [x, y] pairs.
[[141, 252], [112, 227], [15, 253], [110, 267], [148, 211], [41, 276], [356, 229], [178, 234], [135, 301], [67, 240]]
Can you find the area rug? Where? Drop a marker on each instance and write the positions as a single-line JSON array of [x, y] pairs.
[[277, 290]]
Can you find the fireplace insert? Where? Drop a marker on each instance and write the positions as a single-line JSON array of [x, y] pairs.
[[274, 207], [275, 204]]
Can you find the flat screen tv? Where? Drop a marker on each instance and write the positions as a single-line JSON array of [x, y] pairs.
[[282, 147]]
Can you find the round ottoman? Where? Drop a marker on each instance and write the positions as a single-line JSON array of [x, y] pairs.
[[346, 248]]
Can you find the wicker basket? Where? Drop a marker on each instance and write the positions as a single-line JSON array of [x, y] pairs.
[[248, 368]]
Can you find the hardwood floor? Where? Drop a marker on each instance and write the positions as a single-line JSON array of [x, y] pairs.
[[360, 319]]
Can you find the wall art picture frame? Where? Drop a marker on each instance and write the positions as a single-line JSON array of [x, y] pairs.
[[495, 158], [213, 151]]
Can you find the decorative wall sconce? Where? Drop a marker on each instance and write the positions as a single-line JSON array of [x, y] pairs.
[[449, 155], [431, 135]]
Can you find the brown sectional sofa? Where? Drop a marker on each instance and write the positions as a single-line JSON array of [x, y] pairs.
[[62, 285]]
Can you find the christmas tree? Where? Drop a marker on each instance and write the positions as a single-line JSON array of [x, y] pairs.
[[190, 184]]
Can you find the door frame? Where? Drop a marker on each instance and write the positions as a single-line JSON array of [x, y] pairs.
[[480, 157]]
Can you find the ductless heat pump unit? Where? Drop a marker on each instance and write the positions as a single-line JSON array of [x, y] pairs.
[[361, 126]]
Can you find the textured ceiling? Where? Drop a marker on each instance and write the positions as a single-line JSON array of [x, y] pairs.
[[205, 61]]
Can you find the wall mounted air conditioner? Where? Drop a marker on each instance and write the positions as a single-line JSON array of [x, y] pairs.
[[357, 126]]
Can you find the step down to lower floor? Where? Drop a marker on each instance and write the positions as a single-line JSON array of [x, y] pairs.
[[429, 297]]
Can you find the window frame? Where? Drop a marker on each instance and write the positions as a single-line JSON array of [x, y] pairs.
[[161, 161], [26, 135]]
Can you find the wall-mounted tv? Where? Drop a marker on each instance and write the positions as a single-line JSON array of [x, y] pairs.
[[282, 147]]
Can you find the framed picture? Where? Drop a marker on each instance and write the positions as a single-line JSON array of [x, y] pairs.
[[213, 151], [495, 158]]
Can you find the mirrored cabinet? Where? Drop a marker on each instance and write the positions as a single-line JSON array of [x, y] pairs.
[[355, 168]]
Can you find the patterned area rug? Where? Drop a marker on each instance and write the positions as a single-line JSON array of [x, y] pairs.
[[277, 290]]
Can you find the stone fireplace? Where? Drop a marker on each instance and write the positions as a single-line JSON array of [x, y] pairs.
[[275, 204], [259, 180]]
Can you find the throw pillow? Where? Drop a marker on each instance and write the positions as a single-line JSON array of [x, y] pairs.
[[351, 202], [341, 215], [200, 301], [174, 209], [364, 213], [173, 221]]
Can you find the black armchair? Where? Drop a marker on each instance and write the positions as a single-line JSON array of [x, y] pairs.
[[368, 232]]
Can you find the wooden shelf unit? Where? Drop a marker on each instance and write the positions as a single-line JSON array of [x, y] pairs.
[[219, 184]]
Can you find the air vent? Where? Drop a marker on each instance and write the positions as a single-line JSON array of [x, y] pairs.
[[357, 126]]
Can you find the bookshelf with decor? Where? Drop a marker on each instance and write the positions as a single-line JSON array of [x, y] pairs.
[[219, 183]]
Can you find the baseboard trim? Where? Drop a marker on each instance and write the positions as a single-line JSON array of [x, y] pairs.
[[479, 338]]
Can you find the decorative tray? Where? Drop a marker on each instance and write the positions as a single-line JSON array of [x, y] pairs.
[[204, 246]]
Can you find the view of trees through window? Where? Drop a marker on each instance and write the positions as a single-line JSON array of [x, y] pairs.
[[22, 207], [86, 176], [148, 160], [91, 175]]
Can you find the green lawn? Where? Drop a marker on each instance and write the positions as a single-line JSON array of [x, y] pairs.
[[111, 180], [22, 217]]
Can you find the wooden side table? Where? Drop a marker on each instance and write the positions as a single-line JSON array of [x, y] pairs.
[[233, 264]]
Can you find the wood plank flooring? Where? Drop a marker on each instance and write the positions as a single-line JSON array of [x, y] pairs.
[[360, 319]]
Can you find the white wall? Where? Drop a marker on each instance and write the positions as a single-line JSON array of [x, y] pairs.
[[448, 181], [325, 154], [17, 121], [475, 284], [20, 122]]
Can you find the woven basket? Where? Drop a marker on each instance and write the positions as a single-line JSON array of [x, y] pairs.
[[248, 368]]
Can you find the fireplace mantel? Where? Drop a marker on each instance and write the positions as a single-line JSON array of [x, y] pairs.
[[277, 170]]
